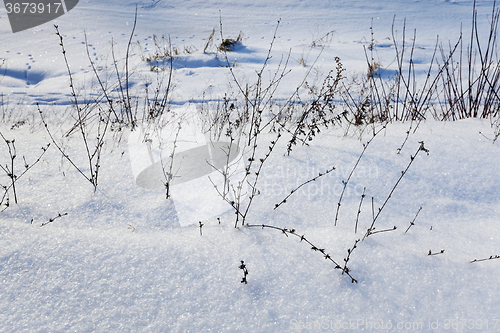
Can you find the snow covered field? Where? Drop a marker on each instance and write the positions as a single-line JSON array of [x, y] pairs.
[[118, 260]]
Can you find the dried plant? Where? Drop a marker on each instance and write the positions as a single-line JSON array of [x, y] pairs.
[[435, 253], [286, 232], [59, 215], [412, 223], [12, 174], [371, 229], [243, 267], [485, 259]]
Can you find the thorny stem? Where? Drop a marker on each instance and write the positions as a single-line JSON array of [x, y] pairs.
[[104, 90], [412, 158], [10, 173], [53, 219], [365, 146], [327, 256], [408, 135], [60, 148], [435, 253], [128, 106], [253, 186], [78, 110], [359, 211], [413, 221], [345, 269], [485, 259], [169, 175], [304, 183], [384, 230]]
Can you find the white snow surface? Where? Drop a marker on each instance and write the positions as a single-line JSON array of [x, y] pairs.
[[120, 262]]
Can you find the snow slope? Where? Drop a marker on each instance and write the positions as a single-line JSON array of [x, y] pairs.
[[120, 262]]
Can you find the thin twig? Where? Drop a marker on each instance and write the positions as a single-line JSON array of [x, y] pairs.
[[345, 269], [435, 253], [53, 219], [60, 148], [94, 69], [485, 259], [128, 107], [403, 173], [10, 171], [304, 183], [327, 256], [413, 221], [365, 146], [384, 230], [81, 123], [359, 211]]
